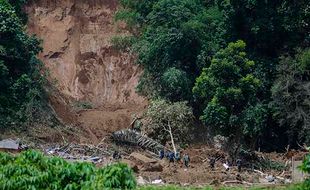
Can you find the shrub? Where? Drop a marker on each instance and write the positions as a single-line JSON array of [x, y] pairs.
[[33, 170], [305, 167]]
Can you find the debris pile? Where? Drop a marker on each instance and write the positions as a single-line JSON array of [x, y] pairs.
[[80, 152]]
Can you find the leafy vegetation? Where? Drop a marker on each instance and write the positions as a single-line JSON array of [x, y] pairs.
[[32, 170], [21, 80], [291, 95], [169, 121], [230, 60], [174, 35], [81, 105], [305, 167], [228, 87]]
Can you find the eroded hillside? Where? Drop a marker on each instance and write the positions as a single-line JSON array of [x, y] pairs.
[[78, 52], [81, 60]]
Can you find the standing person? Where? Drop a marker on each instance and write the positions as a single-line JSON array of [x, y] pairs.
[[161, 154], [171, 157], [239, 163], [177, 156], [212, 163], [186, 160], [116, 155]]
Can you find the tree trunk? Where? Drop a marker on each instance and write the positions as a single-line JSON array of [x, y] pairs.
[[172, 140]]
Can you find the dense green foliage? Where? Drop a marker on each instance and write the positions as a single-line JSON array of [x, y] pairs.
[[305, 167], [179, 42], [291, 95], [229, 87], [32, 170], [164, 116], [20, 75], [177, 36]]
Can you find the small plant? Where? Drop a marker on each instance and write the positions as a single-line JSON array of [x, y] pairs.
[[82, 105], [122, 42]]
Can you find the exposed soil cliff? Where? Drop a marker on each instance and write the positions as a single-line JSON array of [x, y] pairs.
[[81, 60], [77, 50]]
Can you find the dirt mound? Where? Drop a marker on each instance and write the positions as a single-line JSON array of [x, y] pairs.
[[104, 120]]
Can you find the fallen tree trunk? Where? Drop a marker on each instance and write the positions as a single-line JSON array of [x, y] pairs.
[[133, 137]]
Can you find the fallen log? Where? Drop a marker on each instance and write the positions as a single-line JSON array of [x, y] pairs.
[[133, 137]]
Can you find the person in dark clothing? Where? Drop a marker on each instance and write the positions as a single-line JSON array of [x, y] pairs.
[[177, 156], [167, 154], [186, 160], [161, 154], [171, 157], [239, 164], [212, 163], [116, 155]]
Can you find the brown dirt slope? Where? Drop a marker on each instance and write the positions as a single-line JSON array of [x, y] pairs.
[[83, 64]]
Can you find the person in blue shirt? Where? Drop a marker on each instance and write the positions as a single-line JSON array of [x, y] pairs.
[[171, 157], [161, 154], [177, 156]]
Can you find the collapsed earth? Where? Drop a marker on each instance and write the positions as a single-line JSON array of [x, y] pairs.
[[154, 94]]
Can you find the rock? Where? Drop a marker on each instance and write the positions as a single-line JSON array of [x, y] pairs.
[[132, 165], [9, 144], [153, 167], [157, 181], [141, 158], [270, 178], [141, 181]]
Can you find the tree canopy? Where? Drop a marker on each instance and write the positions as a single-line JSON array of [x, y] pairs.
[[226, 58], [20, 75]]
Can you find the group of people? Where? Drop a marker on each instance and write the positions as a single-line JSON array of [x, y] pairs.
[[174, 157]]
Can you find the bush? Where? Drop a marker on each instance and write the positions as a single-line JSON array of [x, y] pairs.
[[33, 170], [305, 167], [164, 117], [81, 105], [122, 42]]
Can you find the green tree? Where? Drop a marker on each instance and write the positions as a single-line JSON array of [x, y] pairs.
[[21, 80], [269, 27], [228, 88], [169, 121], [291, 96], [173, 34]]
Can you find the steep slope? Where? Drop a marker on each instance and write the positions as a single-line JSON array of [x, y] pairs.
[[77, 51]]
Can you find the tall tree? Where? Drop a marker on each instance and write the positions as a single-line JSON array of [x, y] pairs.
[[291, 96], [228, 87]]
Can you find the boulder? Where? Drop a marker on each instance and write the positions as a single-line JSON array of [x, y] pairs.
[[9, 144], [132, 165], [153, 167], [142, 158]]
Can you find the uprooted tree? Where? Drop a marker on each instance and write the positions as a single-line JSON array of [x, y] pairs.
[[169, 121]]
